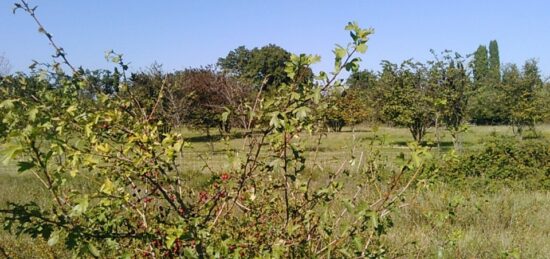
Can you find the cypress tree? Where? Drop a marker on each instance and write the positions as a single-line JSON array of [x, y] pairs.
[[494, 61], [481, 64]]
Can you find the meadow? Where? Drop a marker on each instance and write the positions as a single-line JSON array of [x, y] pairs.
[[438, 220]]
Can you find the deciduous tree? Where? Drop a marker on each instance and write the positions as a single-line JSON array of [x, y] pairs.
[[406, 97], [451, 85], [258, 66]]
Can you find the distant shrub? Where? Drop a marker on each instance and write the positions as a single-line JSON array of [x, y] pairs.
[[505, 159]]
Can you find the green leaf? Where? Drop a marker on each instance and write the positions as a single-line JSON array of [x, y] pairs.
[[345, 252], [178, 145], [73, 172], [290, 69], [291, 228], [54, 238], [172, 235], [32, 114], [275, 121], [8, 104], [167, 141], [81, 207], [348, 205], [88, 129], [351, 26], [10, 151], [374, 219], [359, 243], [115, 59], [189, 253], [107, 187], [24, 166], [340, 52], [301, 113], [314, 59], [362, 48], [71, 109], [93, 250]]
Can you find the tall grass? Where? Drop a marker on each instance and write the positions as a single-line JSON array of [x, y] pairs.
[[451, 223]]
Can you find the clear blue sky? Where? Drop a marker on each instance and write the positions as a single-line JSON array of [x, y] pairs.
[[180, 34]]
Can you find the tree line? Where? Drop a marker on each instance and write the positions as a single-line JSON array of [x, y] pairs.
[[451, 90], [447, 91]]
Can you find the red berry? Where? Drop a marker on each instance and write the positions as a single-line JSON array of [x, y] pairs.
[[225, 176]]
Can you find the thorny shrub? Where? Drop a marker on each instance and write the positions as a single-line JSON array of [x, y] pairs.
[[138, 201]]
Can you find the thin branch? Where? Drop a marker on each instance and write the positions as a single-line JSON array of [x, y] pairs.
[[59, 51]]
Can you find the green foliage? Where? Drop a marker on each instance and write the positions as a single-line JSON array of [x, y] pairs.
[[365, 80], [488, 106], [259, 66], [137, 200], [348, 108], [518, 98], [542, 95], [452, 89], [480, 65], [105, 81], [98, 144], [494, 62], [406, 98], [515, 162], [526, 108]]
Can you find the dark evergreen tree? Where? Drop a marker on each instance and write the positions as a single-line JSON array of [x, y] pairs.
[[480, 65], [494, 62]]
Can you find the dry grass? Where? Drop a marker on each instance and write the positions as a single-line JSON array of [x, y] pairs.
[[450, 223]]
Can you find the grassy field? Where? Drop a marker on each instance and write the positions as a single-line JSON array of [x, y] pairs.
[[438, 221], [337, 146]]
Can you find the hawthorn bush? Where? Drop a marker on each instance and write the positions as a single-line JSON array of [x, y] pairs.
[[138, 199]]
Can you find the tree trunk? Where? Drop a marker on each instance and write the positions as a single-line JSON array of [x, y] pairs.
[[353, 136], [438, 138], [209, 136], [456, 140]]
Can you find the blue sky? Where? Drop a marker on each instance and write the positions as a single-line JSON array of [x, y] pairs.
[[180, 34]]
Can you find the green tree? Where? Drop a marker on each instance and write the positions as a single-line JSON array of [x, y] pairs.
[[146, 87], [494, 62], [522, 92], [488, 105], [406, 98], [348, 108], [259, 66], [480, 65], [451, 89], [365, 79], [105, 81], [544, 96], [236, 62]]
